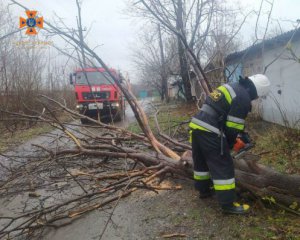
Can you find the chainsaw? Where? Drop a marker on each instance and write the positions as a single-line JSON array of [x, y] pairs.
[[245, 149], [248, 144]]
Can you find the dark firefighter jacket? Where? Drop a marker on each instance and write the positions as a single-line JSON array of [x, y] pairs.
[[225, 108]]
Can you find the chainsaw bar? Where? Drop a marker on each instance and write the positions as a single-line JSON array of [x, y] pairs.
[[243, 151]]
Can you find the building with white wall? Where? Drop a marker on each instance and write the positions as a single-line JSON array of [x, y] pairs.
[[279, 59]]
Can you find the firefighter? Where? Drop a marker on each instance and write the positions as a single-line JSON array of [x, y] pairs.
[[214, 132]]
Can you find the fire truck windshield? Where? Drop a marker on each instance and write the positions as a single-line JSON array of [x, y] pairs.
[[94, 78]]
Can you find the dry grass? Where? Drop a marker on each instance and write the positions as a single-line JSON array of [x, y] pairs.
[[13, 135], [278, 146]]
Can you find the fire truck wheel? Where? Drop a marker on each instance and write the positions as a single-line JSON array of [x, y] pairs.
[[84, 121], [118, 117]]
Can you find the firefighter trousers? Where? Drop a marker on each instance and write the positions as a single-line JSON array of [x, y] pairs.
[[211, 168]]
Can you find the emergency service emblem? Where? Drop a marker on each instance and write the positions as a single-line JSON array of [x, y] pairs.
[[31, 22], [215, 95]]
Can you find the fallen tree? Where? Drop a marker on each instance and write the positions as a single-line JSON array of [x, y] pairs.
[[103, 163], [264, 182]]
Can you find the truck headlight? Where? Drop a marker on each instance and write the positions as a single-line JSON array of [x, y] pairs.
[[115, 104], [79, 106]]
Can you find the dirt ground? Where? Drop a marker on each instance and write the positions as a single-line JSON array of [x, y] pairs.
[[149, 215]]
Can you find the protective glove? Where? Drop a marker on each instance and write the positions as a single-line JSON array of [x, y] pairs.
[[244, 136], [239, 144]]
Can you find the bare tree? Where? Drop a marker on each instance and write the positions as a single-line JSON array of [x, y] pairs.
[[165, 94], [155, 59], [170, 14], [205, 32], [27, 69]]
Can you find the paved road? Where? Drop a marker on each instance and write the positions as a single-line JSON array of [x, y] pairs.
[[89, 226]]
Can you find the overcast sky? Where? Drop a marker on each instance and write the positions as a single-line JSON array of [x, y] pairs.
[[116, 33]]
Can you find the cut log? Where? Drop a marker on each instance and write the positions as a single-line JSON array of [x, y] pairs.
[[263, 181]]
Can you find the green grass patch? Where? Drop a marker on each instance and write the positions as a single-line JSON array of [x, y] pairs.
[[21, 133], [9, 140], [171, 119], [278, 146], [204, 220]]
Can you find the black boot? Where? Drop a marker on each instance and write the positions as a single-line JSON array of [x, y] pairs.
[[205, 189], [235, 208], [206, 194]]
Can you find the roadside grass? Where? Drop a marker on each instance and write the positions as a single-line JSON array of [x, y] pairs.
[[172, 118], [10, 139], [255, 226], [278, 146], [184, 213]]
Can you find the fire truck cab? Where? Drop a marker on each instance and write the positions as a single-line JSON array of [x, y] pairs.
[[97, 95]]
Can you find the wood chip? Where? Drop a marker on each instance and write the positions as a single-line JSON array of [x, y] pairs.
[[174, 235]]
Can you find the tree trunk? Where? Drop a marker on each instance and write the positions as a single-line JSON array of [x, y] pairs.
[[263, 181], [184, 66], [164, 78]]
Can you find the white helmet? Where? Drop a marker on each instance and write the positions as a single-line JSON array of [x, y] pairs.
[[261, 83]]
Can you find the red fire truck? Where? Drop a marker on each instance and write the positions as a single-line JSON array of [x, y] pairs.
[[97, 94]]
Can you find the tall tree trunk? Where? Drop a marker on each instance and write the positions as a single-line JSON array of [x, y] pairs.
[[184, 66], [164, 78]]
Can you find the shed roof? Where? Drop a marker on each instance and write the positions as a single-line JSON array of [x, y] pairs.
[[275, 41]]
